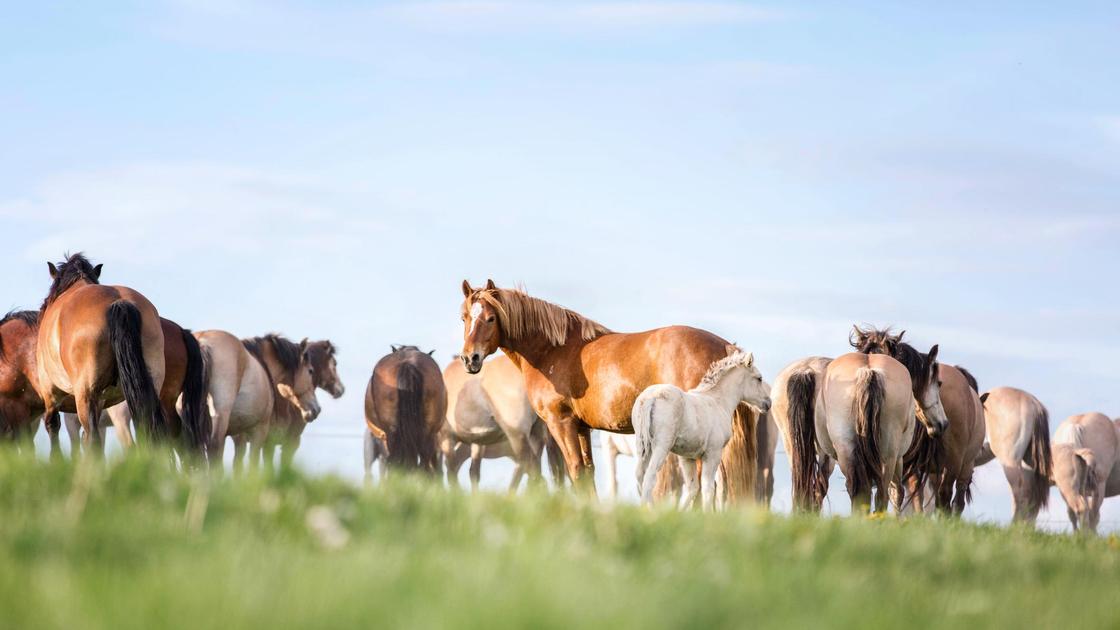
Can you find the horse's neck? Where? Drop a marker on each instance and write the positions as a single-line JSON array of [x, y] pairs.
[[728, 391], [532, 351], [280, 376]]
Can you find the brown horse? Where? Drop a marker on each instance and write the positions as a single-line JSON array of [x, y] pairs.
[[98, 345], [292, 373], [288, 424], [183, 383], [20, 404], [406, 406], [581, 376], [947, 462]]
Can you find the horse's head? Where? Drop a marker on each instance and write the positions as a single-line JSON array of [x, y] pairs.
[[301, 392], [77, 270], [324, 367], [756, 392], [927, 392], [1076, 477], [482, 331]]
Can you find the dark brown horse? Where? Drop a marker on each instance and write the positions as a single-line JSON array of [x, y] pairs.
[[946, 461], [406, 405], [20, 404], [98, 345], [581, 376]]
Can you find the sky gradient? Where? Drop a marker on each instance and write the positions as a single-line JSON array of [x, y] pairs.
[[771, 173]]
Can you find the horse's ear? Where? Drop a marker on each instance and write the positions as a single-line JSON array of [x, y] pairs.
[[730, 349], [53, 270], [490, 286], [855, 336], [467, 290], [933, 354], [395, 347], [97, 272], [900, 335], [303, 344], [750, 360], [984, 397], [431, 352]]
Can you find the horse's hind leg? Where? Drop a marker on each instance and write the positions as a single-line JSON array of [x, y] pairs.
[[609, 454], [656, 458], [708, 480], [89, 413], [476, 466], [369, 452], [240, 443], [691, 482], [73, 430]]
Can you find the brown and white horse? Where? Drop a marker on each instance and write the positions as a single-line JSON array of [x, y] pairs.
[[947, 462], [1086, 455], [288, 420], [406, 405], [582, 376], [99, 345], [182, 384], [20, 404], [1018, 431]]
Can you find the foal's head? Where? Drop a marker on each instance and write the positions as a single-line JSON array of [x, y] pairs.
[[324, 367], [754, 391], [925, 372]]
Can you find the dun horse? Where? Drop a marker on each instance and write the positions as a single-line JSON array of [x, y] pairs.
[[489, 408], [1018, 428], [98, 345], [239, 391], [1086, 456], [582, 376], [948, 461], [406, 405], [183, 383], [795, 393]]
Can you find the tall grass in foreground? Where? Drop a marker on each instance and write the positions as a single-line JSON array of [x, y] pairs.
[[130, 544]]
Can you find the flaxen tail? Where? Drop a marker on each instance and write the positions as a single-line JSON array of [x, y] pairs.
[[801, 390], [196, 413], [1040, 459], [132, 372], [867, 469], [407, 440]]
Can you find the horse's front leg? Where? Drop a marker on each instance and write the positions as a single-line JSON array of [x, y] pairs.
[[691, 481], [476, 466], [566, 430], [708, 480]]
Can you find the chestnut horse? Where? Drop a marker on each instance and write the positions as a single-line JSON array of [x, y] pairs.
[[182, 383], [98, 345], [948, 461], [406, 406], [581, 376], [20, 404], [288, 423]]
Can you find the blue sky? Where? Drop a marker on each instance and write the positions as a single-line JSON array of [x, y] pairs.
[[771, 172]]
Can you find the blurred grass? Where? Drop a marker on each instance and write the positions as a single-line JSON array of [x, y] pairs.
[[130, 544]]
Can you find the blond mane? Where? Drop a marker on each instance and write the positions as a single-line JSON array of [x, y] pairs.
[[521, 315], [718, 369]]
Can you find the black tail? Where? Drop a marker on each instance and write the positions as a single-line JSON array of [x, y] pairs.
[[925, 457], [867, 469], [801, 391], [132, 372], [1041, 460], [407, 441], [970, 378], [196, 413]]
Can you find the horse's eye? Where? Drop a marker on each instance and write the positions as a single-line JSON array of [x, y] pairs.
[[490, 320]]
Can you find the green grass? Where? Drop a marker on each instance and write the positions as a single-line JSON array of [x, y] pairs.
[[129, 544]]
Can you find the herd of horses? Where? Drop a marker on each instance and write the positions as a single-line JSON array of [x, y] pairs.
[[905, 430]]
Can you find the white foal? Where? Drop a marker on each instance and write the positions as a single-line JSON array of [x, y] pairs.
[[695, 425]]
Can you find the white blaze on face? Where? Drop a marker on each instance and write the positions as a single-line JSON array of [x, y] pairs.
[[476, 313]]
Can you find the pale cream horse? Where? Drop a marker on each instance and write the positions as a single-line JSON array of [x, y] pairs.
[[1018, 435], [695, 425], [488, 409], [239, 394], [865, 415], [611, 445], [1086, 455], [456, 453]]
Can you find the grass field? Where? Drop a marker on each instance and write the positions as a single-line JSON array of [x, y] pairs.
[[131, 545]]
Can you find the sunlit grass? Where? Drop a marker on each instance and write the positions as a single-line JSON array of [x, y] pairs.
[[130, 544]]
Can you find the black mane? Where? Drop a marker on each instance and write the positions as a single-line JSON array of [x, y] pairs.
[[970, 378], [287, 353], [31, 318], [884, 341], [77, 267]]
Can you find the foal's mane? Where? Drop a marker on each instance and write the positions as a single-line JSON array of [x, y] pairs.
[[287, 353], [521, 315], [718, 369], [77, 267]]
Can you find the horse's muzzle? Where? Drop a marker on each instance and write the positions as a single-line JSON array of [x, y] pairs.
[[311, 412], [473, 363]]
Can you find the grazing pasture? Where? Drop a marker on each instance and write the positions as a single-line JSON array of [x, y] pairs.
[[295, 551]]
